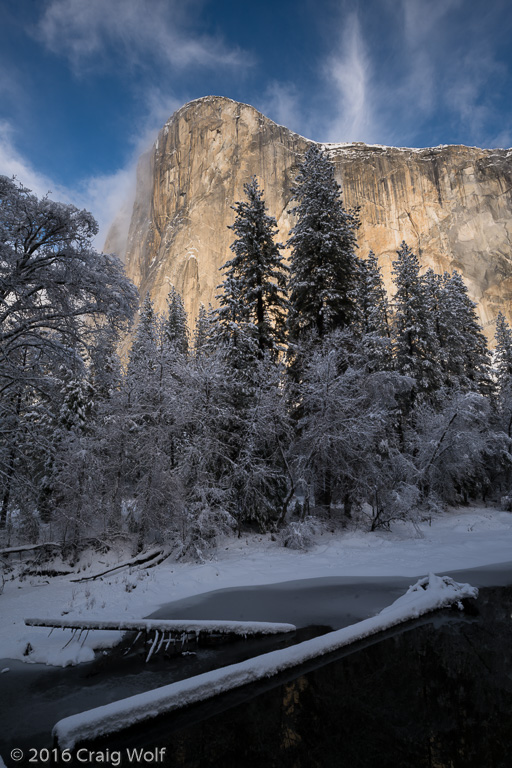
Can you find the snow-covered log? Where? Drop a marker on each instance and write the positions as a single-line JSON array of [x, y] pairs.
[[148, 559], [176, 626], [426, 595], [30, 548]]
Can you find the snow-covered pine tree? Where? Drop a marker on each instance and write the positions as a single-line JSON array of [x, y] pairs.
[[143, 351], [105, 365], [71, 475], [372, 323], [148, 476], [323, 243], [371, 297], [503, 370], [201, 330], [206, 332], [77, 403], [108, 431], [175, 329], [466, 356], [416, 347], [503, 354], [254, 287]]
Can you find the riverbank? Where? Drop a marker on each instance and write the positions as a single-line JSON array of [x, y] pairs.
[[459, 540]]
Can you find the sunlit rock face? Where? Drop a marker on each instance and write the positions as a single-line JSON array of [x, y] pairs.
[[452, 204]]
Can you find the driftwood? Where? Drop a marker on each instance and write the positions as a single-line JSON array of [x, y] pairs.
[[148, 559], [179, 626], [165, 630], [30, 548]]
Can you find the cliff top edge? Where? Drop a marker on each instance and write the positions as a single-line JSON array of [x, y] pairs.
[[330, 147]]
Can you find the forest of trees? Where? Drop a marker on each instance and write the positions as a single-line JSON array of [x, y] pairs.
[[307, 394]]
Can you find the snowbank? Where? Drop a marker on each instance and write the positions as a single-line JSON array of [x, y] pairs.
[[426, 595], [457, 540]]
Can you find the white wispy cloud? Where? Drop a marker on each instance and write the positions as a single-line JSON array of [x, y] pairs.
[[438, 59], [12, 163], [149, 41], [141, 38], [454, 66], [348, 73], [102, 195], [107, 196], [130, 33]]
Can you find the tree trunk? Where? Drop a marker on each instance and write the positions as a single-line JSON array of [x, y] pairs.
[[12, 457], [7, 492], [323, 492]]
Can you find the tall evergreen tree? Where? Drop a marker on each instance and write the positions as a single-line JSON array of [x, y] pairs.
[[142, 393], [204, 332], [371, 297], [254, 287], [373, 314], [105, 366], [503, 354], [416, 346], [466, 357], [323, 242], [503, 371], [77, 404], [143, 351], [175, 330]]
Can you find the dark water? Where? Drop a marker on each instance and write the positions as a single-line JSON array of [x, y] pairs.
[[438, 694], [335, 602], [34, 697]]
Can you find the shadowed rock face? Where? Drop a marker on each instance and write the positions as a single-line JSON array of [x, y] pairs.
[[452, 204]]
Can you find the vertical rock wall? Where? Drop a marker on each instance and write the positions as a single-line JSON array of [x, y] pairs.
[[453, 204]]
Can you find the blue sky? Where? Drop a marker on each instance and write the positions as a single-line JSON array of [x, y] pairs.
[[86, 84]]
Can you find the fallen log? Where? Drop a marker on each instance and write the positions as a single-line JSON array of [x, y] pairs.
[[148, 559], [177, 626], [30, 548], [426, 595]]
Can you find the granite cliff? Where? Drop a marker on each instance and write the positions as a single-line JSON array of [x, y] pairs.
[[452, 204]]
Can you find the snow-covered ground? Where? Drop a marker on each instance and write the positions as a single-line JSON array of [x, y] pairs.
[[462, 539]]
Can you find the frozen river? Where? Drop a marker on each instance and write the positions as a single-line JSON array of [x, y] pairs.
[[34, 697]]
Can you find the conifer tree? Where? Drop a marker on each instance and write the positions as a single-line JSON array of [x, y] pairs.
[[202, 331], [154, 435], [143, 352], [503, 371], [372, 301], [466, 354], [105, 366], [503, 354], [323, 242], [254, 287], [77, 404], [416, 346], [373, 314], [175, 330]]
